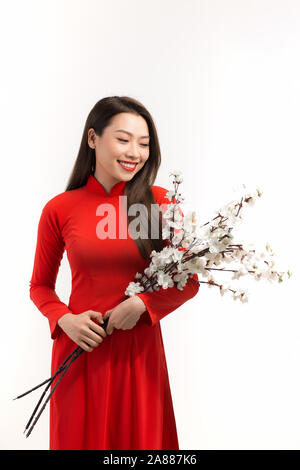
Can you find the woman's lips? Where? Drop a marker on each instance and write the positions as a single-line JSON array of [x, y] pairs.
[[126, 167]]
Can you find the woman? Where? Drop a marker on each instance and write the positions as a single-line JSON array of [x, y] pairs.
[[116, 395]]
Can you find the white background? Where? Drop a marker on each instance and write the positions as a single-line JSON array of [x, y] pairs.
[[221, 80]]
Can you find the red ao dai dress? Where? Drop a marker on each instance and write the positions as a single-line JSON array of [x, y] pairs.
[[117, 396]]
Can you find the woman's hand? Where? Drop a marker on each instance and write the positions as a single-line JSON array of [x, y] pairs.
[[125, 315], [82, 329]]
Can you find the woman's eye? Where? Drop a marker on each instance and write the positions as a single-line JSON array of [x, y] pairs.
[[124, 140]]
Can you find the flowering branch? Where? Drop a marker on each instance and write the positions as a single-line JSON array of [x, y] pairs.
[[199, 253]]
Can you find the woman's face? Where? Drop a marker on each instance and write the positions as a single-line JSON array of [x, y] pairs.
[[126, 139]]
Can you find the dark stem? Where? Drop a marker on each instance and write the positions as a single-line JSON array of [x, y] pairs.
[[77, 352], [50, 394], [52, 377]]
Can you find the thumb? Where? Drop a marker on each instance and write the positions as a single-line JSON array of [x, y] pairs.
[[107, 314], [97, 315]]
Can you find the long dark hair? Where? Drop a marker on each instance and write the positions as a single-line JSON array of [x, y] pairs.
[[137, 190]]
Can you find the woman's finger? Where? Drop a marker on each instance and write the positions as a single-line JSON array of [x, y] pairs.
[[109, 329], [85, 346], [92, 339], [98, 329]]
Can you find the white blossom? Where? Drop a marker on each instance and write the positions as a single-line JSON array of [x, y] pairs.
[[169, 195], [134, 288], [207, 250], [177, 176]]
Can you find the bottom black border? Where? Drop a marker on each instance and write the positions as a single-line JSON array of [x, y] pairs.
[[138, 458]]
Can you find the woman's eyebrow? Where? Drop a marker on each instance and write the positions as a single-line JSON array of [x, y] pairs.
[[126, 132]]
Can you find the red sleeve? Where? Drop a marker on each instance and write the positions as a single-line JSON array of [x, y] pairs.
[[48, 256], [164, 301]]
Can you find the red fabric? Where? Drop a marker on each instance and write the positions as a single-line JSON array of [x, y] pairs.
[[117, 396]]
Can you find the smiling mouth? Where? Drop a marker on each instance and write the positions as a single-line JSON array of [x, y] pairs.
[[127, 165]]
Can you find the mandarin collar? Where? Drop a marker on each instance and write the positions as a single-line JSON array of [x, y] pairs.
[[96, 187]]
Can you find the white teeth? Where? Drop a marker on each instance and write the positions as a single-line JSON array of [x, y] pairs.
[[129, 165]]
